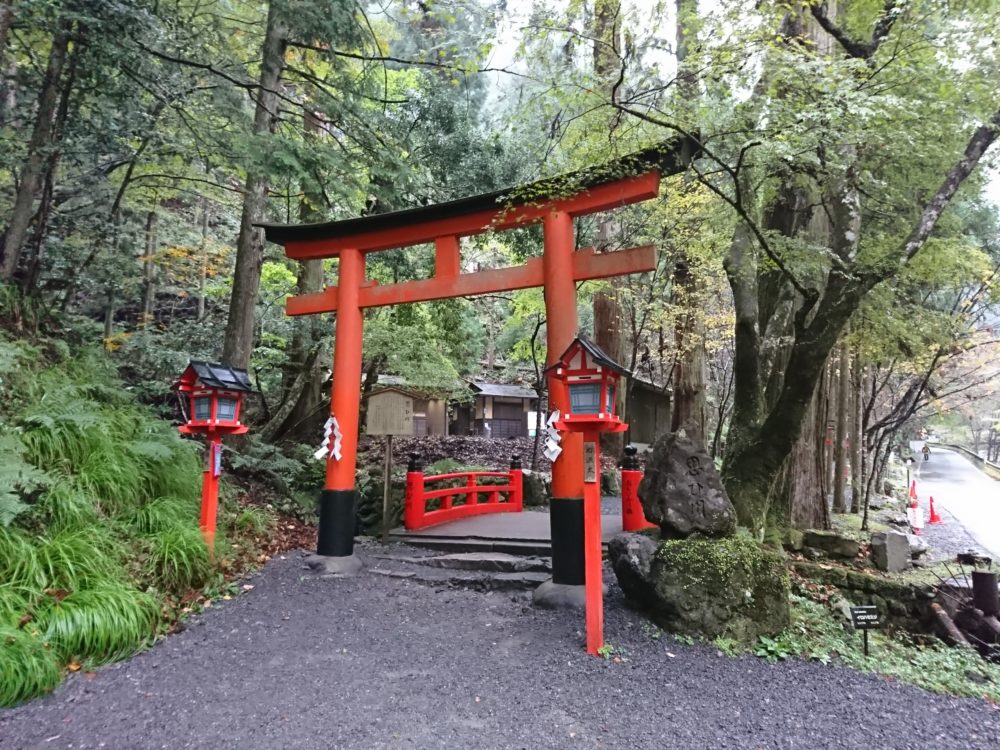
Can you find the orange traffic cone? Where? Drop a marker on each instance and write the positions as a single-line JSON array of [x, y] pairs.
[[913, 490], [935, 518]]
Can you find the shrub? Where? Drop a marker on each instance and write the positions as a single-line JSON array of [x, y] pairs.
[[178, 559], [107, 622], [29, 666]]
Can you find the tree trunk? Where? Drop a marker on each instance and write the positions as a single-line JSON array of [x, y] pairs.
[[688, 408], [202, 260], [304, 374], [109, 314], [149, 272], [805, 495], [238, 345], [606, 304], [38, 145], [843, 415], [6, 21], [857, 433]]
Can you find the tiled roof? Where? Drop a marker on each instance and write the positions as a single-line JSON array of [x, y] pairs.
[[506, 391], [215, 375]]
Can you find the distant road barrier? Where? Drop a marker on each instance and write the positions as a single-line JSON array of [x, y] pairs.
[[991, 469]]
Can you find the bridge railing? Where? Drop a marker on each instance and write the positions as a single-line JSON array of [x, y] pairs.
[[502, 492]]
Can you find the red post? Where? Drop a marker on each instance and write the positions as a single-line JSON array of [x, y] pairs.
[[471, 498], [210, 490], [633, 518], [561, 328], [566, 506], [593, 554], [345, 397], [413, 502], [516, 499], [338, 500]]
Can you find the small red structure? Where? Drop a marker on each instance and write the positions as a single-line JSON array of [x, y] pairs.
[[633, 518], [590, 379], [478, 498], [211, 397]]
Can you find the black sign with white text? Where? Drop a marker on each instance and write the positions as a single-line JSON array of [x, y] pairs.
[[865, 618]]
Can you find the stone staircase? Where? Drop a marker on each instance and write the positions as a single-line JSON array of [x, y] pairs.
[[480, 571]]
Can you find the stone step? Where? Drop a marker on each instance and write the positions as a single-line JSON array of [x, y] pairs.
[[470, 579], [527, 548], [487, 562]]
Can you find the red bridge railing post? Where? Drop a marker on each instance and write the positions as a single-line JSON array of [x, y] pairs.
[[516, 483], [633, 519], [414, 503]]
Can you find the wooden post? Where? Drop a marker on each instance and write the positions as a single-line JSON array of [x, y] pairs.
[[210, 491], [386, 488], [593, 556]]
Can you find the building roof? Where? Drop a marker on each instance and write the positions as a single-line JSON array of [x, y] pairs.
[[505, 391], [669, 157], [217, 375]]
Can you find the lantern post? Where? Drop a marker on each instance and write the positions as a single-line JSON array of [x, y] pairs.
[[211, 397], [590, 378]]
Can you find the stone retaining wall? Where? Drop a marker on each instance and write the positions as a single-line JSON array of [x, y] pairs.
[[902, 605]]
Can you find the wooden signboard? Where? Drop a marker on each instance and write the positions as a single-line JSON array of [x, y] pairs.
[[390, 412], [589, 462]]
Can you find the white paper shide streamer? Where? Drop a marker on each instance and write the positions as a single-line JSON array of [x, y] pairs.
[[331, 441], [553, 437]]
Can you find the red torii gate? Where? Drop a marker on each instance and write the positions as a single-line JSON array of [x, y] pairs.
[[553, 202]]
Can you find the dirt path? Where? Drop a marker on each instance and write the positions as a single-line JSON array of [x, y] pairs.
[[378, 662]]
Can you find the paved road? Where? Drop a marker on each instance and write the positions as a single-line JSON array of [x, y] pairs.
[[971, 496], [379, 663]]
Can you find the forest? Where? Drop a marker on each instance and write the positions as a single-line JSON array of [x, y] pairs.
[[826, 290]]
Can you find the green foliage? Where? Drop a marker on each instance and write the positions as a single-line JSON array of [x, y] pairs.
[[108, 502], [178, 558], [29, 666], [815, 634], [99, 624]]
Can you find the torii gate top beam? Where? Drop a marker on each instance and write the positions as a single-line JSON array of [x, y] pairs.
[[628, 180]]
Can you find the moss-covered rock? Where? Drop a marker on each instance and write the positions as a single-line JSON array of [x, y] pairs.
[[537, 489], [705, 588]]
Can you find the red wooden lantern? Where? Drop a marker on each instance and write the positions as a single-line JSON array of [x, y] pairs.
[[590, 378], [211, 397]]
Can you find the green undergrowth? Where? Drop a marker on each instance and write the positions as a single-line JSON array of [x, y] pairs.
[[816, 634], [99, 505]]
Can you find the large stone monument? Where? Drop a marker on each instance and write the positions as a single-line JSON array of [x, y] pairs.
[[700, 578]]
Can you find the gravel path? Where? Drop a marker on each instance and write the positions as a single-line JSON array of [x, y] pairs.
[[374, 662]]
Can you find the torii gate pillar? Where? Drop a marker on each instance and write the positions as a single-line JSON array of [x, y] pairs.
[[566, 510], [338, 500]]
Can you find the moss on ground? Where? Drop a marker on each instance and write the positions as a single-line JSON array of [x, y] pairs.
[[710, 587]]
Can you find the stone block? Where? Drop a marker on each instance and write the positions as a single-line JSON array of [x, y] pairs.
[[832, 544], [890, 551]]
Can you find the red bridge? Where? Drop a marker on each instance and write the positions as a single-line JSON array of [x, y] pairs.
[[471, 498]]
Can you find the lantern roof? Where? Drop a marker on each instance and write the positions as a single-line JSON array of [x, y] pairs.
[[596, 353], [217, 375]]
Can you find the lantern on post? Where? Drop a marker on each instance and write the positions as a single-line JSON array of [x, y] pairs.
[[211, 397], [591, 379]]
